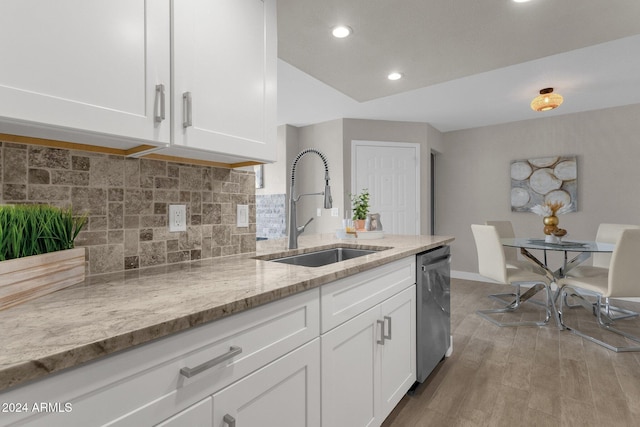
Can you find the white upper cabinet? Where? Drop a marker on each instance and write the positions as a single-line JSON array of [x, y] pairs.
[[224, 69], [92, 67], [196, 76]]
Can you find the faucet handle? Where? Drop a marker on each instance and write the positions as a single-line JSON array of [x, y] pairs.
[[302, 227]]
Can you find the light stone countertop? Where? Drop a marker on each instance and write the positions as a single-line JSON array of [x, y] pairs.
[[113, 312]]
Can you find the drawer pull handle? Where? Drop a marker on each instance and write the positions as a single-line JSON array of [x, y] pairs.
[[381, 340], [189, 372], [229, 420], [385, 336]]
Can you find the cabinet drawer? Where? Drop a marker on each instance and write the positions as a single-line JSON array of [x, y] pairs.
[[348, 297], [144, 385]]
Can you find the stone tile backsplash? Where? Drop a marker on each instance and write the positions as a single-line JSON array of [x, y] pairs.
[[271, 216], [127, 202]]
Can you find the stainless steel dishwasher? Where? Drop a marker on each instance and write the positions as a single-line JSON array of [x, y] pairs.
[[433, 314]]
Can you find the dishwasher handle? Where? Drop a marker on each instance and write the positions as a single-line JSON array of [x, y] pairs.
[[434, 263]]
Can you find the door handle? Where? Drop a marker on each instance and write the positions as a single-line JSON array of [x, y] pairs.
[[229, 420], [381, 323], [189, 372], [187, 114], [159, 105], [385, 336]]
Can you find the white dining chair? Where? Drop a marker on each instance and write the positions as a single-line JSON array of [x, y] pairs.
[[618, 281], [492, 264], [607, 233], [505, 231]]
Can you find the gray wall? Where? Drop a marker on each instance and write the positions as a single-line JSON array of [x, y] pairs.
[[334, 138], [327, 138], [276, 178], [473, 183]]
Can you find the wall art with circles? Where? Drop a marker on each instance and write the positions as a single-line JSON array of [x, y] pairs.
[[544, 179]]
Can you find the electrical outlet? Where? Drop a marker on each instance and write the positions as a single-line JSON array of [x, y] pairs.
[[242, 219], [177, 218], [335, 212], [319, 212]]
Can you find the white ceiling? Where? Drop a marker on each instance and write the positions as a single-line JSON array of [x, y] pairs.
[[467, 63]]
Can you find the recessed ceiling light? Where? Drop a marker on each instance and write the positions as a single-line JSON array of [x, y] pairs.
[[341, 31], [394, 76], [521, 1]]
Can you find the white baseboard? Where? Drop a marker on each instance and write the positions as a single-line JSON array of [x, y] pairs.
[[465, 275]]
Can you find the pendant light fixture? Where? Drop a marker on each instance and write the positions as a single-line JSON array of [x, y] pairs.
[[547, 100]]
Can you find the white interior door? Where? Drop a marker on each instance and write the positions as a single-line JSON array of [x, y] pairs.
[[391, 172]]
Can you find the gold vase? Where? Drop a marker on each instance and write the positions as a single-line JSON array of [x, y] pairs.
[[550, 224]]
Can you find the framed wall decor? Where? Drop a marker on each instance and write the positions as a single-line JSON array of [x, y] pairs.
[[544, 179]]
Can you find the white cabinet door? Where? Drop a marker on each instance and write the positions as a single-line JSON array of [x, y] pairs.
[[398, 353], [198, 415], [285, 393], [369, 363], [88, 66], [224, 63], [350, 374]]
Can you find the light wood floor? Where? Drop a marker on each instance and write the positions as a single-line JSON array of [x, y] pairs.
[[525, 376]]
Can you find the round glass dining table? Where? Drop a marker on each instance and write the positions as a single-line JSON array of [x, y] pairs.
[[583, 247]]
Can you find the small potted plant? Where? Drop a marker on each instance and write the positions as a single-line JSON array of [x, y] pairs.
[[37, 254], [360, 203]]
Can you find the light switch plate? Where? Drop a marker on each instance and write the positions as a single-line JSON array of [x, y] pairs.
[[318, 211], [242, 219], [335, 212], [177, 218]]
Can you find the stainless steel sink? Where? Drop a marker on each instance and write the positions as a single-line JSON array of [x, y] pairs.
[[325, 257]]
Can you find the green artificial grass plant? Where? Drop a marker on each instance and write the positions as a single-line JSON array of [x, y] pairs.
[[27, 230]]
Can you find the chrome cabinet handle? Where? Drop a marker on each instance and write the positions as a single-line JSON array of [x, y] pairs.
[[159, 105], [189, 372], [385, 336], [381, 340], [187, 118], [229, 420]]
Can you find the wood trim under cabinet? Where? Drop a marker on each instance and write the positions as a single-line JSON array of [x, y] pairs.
[[177, 159], [70, 145], [119, 151]]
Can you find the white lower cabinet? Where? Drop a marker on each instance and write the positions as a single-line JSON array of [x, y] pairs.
[[198, 415], [368, 363], [146, 386], [285, 393], [349, 375], [398, 353], [340, 355]]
